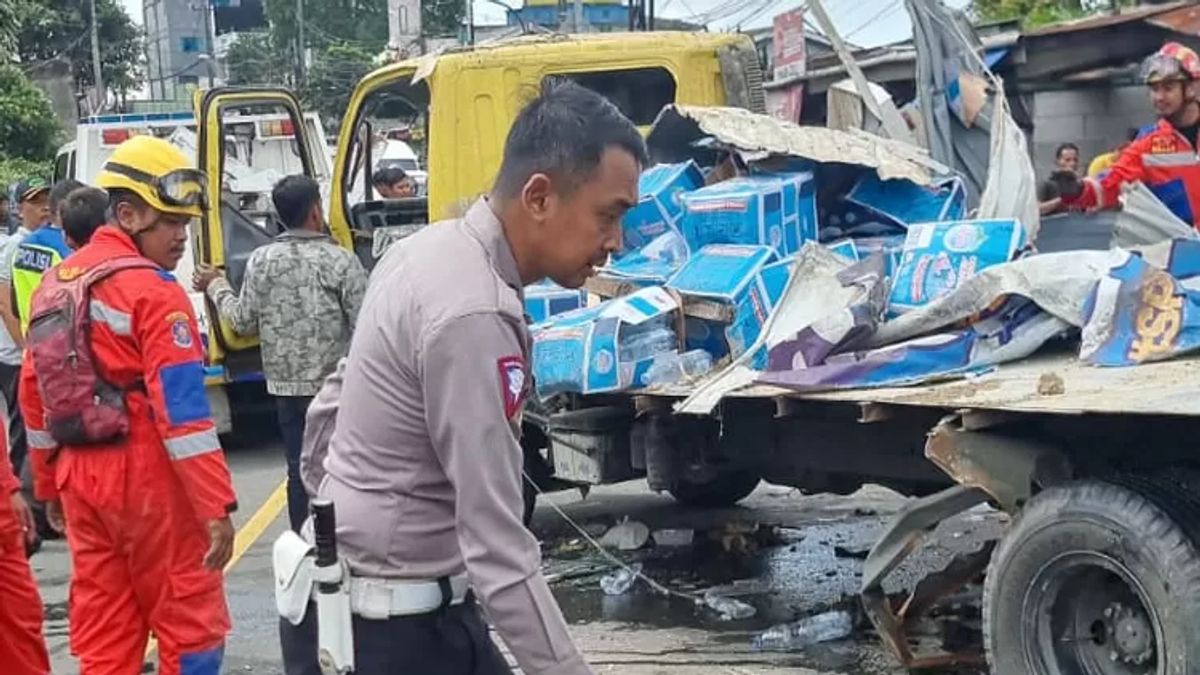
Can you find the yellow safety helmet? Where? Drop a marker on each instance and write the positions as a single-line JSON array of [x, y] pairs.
[[159, 173]]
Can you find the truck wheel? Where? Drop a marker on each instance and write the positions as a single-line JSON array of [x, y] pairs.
[[1095, 579], [726, 489]]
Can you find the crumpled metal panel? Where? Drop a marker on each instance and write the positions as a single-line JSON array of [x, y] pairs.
[[759, 136]]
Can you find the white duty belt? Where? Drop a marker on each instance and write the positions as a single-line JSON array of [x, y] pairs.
[[377, 598], [370, 597]]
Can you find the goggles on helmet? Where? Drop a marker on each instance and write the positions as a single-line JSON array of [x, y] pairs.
[[182, 188], [1163, 68]]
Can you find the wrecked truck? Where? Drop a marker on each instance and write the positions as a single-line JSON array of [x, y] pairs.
[[1054, 386]]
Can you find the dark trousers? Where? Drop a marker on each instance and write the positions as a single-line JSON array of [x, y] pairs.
[[18, 449], [451, 641], [291, 411]]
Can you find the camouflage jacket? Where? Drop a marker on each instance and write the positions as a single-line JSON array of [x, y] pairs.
[[301, 295]]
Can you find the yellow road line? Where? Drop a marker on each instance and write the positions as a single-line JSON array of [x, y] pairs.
[[248, 535]]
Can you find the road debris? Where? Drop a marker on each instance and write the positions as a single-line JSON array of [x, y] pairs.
[[628, 535], [798, 635], [728, 608], [673, 538], [621, 580], [858, 554]]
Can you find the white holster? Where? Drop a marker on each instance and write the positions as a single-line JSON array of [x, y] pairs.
[[296, 580]]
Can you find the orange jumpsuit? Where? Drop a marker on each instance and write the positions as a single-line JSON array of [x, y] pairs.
[[22, 650], [137, 510]]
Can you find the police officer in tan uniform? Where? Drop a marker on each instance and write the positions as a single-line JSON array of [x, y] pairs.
[[423, 464]]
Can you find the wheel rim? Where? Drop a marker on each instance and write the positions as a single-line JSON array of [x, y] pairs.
[[1090, 616]]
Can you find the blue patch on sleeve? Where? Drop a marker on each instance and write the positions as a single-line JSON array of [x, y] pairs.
[[202, 663], [165, 275], [183, 392]]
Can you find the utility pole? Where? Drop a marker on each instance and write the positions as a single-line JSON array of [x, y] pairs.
[[578, 16], [206, 7], [97, 75], [301, 66], [470, 21]]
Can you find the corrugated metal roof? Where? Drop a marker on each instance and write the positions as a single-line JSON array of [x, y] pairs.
[[1107, 20], [753, 133]]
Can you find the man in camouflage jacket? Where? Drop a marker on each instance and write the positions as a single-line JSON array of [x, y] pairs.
[[301, 295]]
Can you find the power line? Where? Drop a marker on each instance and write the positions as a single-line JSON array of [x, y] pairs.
[[887, 9]]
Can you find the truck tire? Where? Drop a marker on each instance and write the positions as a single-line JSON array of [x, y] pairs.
[[726, 489], [1096, 578]]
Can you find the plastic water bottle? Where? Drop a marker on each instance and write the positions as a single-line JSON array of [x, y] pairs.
[[806, 632], [643, 345], [729, 608], [672, 367], [621, 580]]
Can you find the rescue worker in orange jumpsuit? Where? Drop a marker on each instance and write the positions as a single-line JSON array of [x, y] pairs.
[[1165, 158], [22, 650], [146, 518]]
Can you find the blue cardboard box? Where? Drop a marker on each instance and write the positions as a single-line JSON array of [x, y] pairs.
[[938, 257], [581, 351], [770, 210], [653, 263], [744, 277], [659, 206], [904, 202], [546, 299], [844, 248]]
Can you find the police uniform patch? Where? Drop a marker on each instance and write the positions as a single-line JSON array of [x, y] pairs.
[[181, 334], [512, 383]]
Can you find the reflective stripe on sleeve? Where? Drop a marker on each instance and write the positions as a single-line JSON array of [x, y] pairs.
[[1171, 159], [40, 440], [120, 322], [191, 445]]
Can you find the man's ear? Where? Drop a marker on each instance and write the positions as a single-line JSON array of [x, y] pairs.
[[538, 195]]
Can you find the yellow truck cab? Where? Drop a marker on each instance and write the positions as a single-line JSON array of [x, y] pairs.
[[460, 105]]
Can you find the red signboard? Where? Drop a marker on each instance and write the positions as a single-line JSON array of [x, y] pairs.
[[789, 44]]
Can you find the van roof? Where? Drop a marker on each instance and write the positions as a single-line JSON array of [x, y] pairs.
[[551, 45]]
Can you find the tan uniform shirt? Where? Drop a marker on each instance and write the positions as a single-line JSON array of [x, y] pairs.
[[424, 465]]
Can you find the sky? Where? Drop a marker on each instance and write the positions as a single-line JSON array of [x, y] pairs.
[[867, 23]]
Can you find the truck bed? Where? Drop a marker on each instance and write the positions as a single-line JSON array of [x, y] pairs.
[[1069, 387]]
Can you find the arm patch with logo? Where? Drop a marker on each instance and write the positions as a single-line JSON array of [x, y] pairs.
[[513, 383]]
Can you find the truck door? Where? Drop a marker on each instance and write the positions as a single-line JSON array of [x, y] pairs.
[[231, 122]]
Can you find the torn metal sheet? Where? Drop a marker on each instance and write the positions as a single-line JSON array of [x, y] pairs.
[[760, 136], [946, 47], [1144, 219]]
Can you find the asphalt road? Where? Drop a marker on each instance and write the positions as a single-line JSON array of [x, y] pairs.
[[802, 553]]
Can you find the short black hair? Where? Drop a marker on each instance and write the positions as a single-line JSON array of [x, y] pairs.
[[1063, 148], [563, 133], [83, 210], [388, 176], [60, 191], [294, 197]]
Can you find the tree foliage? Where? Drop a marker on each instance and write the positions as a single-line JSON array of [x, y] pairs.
[[335, 70], [28, 127], [52, 29], [256, 59], [1033, 13]]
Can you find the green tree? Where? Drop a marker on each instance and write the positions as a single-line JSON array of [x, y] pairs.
[[255, 59], [335, 70], [28, 127], [1040, 12], [51, 29]]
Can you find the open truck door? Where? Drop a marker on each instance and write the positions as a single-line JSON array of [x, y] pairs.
[[233, 125]]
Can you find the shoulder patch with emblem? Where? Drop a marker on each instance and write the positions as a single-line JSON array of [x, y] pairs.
[[181, 330], [512, 383]]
